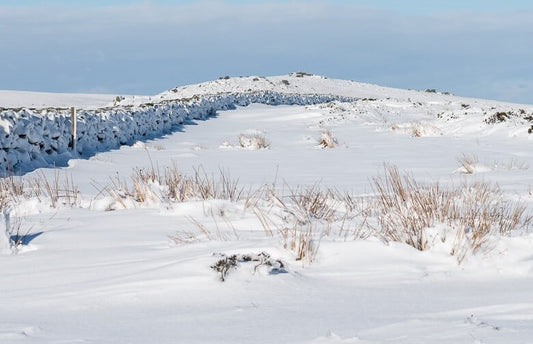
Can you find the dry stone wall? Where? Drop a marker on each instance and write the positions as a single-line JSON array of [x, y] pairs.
[[33, 138]]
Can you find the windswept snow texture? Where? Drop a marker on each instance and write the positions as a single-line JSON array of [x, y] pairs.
[[97, 266]]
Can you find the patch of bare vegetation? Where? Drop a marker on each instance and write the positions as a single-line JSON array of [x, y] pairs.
[[51, 191], [499, 117], [468, 163], [327, 140], [420, 215], [153, 186], [464, 219], [227, 263], [253, 141]]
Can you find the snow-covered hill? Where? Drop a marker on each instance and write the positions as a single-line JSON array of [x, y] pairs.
[[347, 213], [37, 135], [300, 83]]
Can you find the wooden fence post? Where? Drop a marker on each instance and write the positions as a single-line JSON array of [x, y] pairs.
[[73, 136]]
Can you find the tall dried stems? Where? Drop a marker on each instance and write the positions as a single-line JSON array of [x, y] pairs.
[[303, 217], [55, 189], [253, 140], [304, 241], [11, 188], [408, 212], [314, 203], [148, 185], [468, 163], [463, 218], [327, 140], [13, 191]]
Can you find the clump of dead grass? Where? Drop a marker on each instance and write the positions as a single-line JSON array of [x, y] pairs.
[[327, 140], [463, 218], [253, 140], [406, 211], [151, 185], [468, 163], [55, 191]]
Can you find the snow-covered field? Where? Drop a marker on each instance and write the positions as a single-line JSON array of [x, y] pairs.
[[107, 253]]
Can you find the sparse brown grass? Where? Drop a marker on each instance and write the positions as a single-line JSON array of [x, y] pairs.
[[327, 140], [464, 217], [57, 190], [253, 141], [406, 211], [151, 185], [11, 188], [303, 241], [14, 190], [314, 203]]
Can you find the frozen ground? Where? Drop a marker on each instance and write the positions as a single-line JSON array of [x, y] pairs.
[[87, 275]]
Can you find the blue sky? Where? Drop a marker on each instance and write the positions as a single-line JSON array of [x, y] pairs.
[[472, 48]]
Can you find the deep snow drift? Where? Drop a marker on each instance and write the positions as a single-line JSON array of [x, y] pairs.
[[118, 247]]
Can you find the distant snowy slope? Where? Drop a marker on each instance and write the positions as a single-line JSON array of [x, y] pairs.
[[15, 99], [293, 83], [35, 127], [298, 83]]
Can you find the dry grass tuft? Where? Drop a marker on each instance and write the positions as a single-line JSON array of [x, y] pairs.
[[303, 241], [11, 189], [408, 212], [468, 163], [464, 219], [150, 185], [253, 141], [327, 140], [14, 191], [314, 203]]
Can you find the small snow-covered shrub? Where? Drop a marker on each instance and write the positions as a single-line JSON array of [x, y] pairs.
[[224, 265], [499, 117], [327, 140], [227, 263], [303, 240], [417, 130], [406, 211], [253, 140], [468, 163]]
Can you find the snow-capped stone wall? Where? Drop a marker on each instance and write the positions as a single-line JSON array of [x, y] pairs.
[[36, 138]]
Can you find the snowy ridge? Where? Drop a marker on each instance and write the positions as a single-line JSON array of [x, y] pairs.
[[33, 136], [38, 138], [131, 245]]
